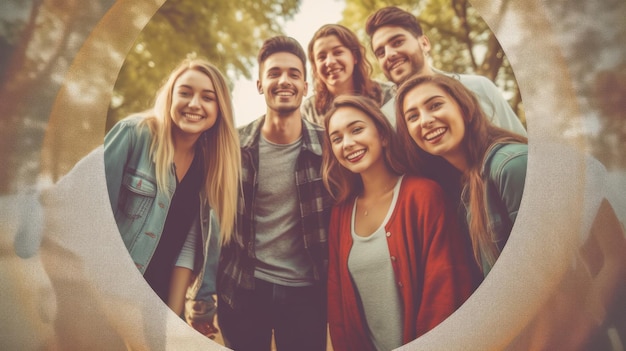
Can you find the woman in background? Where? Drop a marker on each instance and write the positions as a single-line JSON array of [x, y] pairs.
[[339, 67]]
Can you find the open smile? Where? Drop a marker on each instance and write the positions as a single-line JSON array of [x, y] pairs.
[[284, 93], [355, 156], [435, 134], [192, 116]]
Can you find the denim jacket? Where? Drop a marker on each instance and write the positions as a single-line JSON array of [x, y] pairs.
[[504, 172], [140, 208]]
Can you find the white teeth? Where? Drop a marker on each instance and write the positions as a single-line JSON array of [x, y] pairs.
[[435, 133], [284, 93], [354, 155], [192, 116], [335, 71]]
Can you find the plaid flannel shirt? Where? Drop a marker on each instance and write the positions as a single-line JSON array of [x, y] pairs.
[[237, 261]]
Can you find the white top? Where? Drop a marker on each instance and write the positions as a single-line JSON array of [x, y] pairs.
[[369, 264]]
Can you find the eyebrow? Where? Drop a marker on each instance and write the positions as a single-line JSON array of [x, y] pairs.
[[290, 69], [190, 87], [348, 126], [424, 103], [391, 39]]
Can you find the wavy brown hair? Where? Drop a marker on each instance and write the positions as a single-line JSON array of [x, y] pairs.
[[480, 136], [340, 182], [363, 85]]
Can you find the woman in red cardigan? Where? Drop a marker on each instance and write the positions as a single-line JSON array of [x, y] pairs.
[[397, 263]]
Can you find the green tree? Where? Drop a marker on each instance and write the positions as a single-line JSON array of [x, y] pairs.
[[461, 41], [229, 33]]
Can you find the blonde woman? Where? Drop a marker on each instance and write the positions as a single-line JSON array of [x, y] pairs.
[[172, 175]]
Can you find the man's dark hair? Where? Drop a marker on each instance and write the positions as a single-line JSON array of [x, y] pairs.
[[393, 16], [281, 43]]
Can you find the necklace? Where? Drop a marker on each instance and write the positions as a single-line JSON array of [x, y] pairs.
[[383, 194]]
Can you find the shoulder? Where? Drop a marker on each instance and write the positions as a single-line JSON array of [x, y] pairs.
[[480, 85], [309, 112], [130, 122], [248, 132], [420, 188], [507, 158], [387, 90], [472, 79], [312, 136], [309, 102], [132, 126]]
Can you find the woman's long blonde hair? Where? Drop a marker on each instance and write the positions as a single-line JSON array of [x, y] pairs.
[[219, 145], [480, 136]]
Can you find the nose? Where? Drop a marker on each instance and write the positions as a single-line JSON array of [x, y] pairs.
[[195, 101], [330, 59], [390, 52], [283, 80], [426, 120], [348, 142]]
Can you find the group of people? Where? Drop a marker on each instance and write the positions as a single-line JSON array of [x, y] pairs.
[[371, 210]]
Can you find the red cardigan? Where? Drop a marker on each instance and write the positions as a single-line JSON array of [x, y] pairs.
[[432, 268]]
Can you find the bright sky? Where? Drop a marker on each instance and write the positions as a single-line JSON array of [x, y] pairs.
[[248, 104]]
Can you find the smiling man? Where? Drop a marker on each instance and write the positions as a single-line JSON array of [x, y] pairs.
[[273, 274], [402, 50]]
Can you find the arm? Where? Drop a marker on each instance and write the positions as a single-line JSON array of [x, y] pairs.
[[182, 275], [117, 147], [179, 282], [200, 311], [447, 263], [510, 177], [335, 321]]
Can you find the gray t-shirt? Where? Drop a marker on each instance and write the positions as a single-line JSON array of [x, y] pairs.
[[279, 246], [370, 266]]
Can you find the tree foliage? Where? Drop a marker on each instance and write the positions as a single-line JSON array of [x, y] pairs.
[[228, 33], [38, 40], [461, 41]]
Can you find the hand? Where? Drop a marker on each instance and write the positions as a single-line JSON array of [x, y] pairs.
[[207, 329]]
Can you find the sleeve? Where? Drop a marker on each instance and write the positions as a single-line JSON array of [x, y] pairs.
[[447, 264], [510, 178], [188, 252], [335, 317], [498, 109], [202, 308], [117, 146]]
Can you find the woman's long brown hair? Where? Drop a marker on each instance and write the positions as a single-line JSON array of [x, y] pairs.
[[480, 136]]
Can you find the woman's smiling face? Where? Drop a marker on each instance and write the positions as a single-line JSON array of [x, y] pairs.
[[434, 121], [355, 140]]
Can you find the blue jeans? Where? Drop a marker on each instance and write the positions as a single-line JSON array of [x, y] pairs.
[[296, 314]]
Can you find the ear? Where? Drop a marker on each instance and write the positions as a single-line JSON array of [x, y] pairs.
[[259, 87], [425, 43]]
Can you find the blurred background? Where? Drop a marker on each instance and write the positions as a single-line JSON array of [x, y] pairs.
[[69, 69]]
